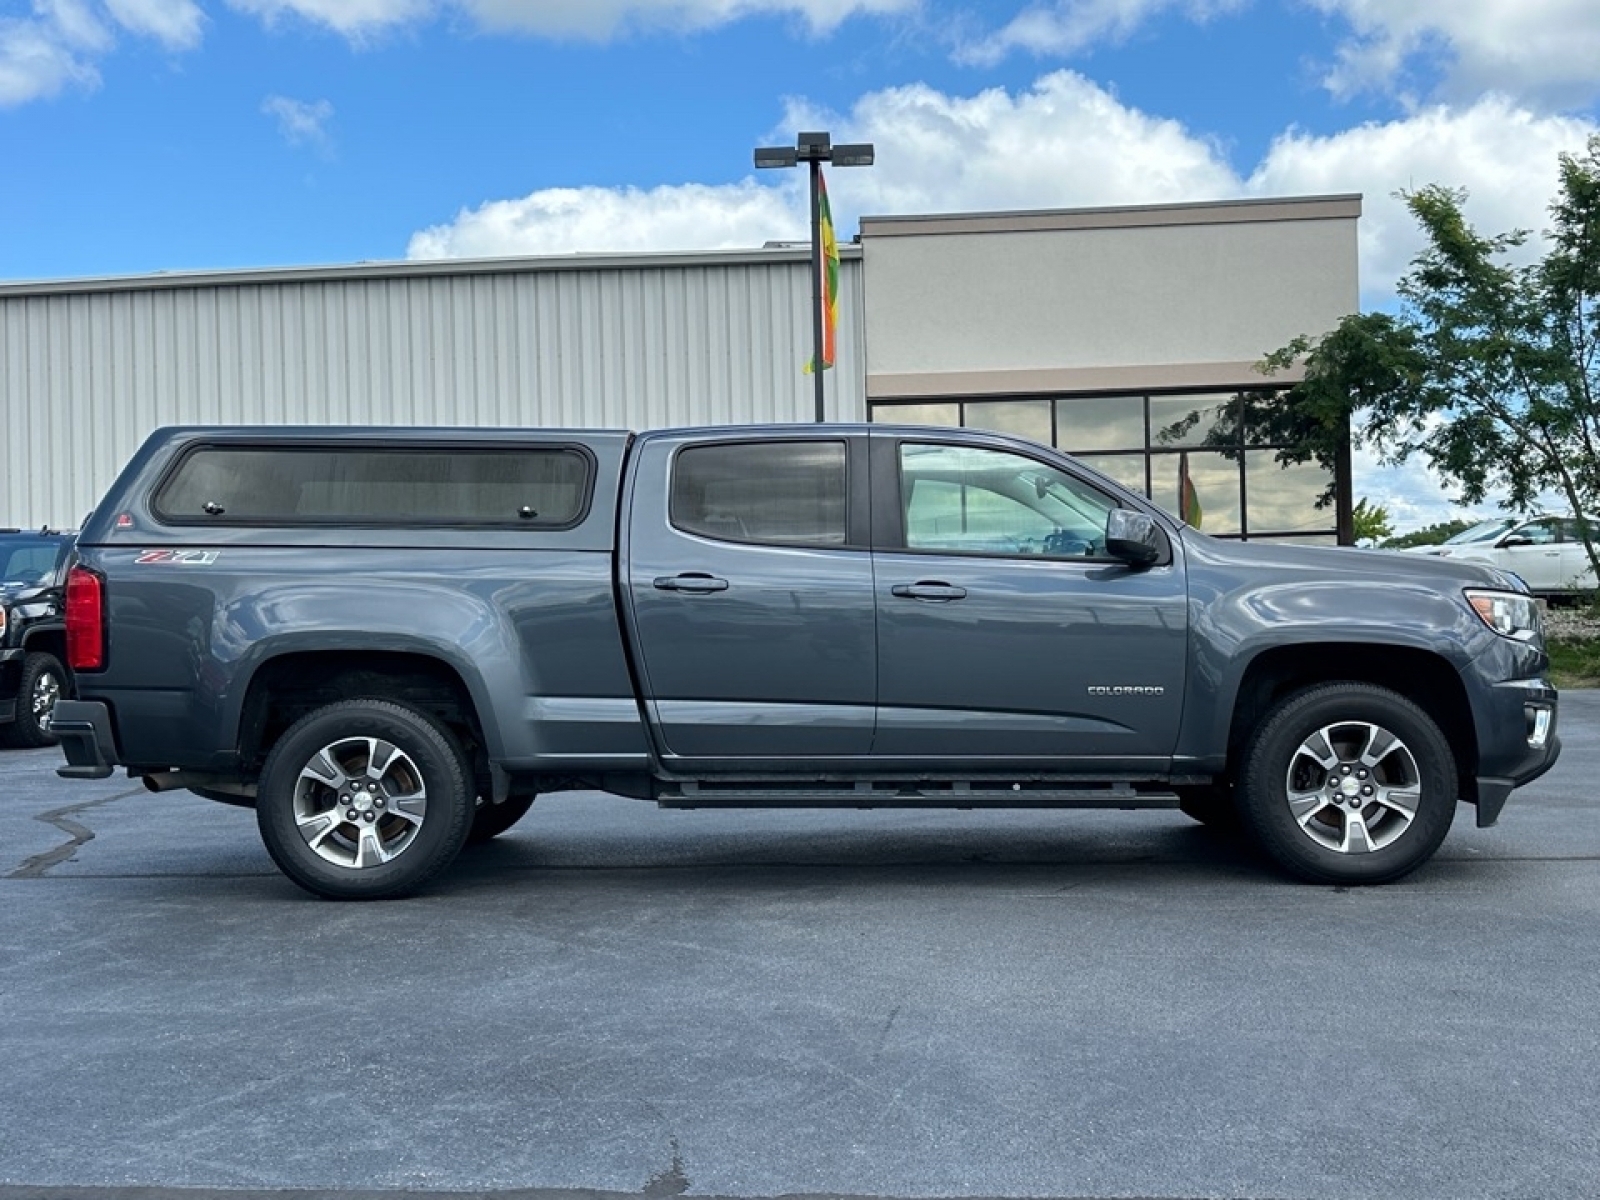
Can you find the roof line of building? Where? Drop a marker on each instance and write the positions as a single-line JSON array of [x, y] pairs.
[[1344, 206], [415, 268]]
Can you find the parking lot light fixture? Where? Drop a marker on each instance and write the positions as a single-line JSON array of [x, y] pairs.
[[814, 149]]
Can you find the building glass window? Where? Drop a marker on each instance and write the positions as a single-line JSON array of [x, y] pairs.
[[1126, 469], [1086, 423], [1206, 419], [1139, 440], [1283, 499], [918, 414], [1024, 418], [1213, 474]]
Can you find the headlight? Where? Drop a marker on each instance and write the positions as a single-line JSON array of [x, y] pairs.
[[1510, 614]]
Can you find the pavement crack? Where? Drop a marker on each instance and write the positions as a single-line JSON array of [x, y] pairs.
[[78, 835], [668, 1183]]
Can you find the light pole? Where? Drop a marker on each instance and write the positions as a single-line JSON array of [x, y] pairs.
[[816, 149]]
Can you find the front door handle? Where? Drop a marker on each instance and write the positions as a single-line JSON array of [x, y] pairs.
[[929, 590], [696, 582]]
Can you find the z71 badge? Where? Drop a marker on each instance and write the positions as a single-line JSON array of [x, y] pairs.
[[183, 558]]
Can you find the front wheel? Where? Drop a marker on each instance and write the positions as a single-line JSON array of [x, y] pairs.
[[43, 682], [364, 800], [1348, 783]]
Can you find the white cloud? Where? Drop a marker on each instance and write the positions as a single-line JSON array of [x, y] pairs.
[[60, 44], [562, 18], [564, 220], [177, 24], [36, 61], [600, 18], [1063, 143], [1067, 27], [1504, 155], [1544, 49], [299, 122], [352, 18]]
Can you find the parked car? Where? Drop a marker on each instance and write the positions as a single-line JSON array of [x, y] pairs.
[[389, 641], [1546, 552], [33, 647]]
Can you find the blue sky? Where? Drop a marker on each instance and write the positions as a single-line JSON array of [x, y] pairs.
[[148, 135]]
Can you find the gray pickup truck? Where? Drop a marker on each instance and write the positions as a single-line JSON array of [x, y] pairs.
[[389, 641]]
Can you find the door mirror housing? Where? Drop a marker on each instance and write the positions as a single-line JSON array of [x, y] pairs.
[[1133, 537], [1515, 539]]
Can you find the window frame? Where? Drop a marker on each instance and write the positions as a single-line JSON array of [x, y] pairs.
[[578, 450]]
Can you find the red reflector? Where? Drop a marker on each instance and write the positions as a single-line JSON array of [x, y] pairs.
[[86, 631]]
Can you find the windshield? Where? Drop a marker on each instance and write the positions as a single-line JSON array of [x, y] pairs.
[[1483, 531], [30, 562]]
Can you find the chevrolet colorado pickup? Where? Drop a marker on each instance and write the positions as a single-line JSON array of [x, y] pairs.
[[390, 641]]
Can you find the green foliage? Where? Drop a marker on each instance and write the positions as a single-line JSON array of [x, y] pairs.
[[1491, 372], [1575, 663], [1430, 536], [1371, 523]]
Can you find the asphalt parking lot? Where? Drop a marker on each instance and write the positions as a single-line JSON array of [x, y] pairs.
[[617, 999]]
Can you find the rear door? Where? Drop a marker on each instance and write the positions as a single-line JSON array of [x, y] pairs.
[[749, 596], [1005, 632]]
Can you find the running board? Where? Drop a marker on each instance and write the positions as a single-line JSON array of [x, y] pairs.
[[918, 795]]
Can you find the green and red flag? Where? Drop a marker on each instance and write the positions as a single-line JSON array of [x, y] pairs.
[[1188, 498], [830, 277]]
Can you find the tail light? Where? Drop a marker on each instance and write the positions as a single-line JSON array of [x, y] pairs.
[[86, 625]]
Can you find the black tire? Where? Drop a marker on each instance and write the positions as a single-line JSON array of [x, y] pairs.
[[1348, 783], [360, 826], [1212, 806], [42, 683], [491, 820]]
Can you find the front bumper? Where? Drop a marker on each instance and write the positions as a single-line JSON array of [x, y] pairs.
[[84, 728], [1517, 742]]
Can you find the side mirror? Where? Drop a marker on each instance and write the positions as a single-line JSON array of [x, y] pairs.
[[1132, 537], [1515, 539]]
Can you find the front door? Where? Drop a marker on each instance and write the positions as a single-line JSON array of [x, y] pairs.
[[1004, 629]]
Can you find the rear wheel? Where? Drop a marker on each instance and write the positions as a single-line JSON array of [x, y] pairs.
[[43, 682], [364, 800], [1348, 783]]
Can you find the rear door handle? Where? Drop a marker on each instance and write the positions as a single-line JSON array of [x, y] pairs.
[[929, 590], [696, 582]]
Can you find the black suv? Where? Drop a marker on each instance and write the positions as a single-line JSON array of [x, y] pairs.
[[33, 651]]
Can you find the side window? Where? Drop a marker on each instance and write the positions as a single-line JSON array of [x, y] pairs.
[[789, 493], [529, 487], [1540, 533], [968, 500]]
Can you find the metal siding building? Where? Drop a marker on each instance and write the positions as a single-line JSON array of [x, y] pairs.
[[1097, 330], [89, 367]]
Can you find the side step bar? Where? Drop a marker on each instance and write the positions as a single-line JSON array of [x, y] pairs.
[[988, 794]]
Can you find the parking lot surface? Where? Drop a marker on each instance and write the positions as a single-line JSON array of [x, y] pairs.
[[613, 998]]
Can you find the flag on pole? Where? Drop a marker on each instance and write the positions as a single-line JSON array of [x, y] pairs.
[[1188, 498], [830, 277]]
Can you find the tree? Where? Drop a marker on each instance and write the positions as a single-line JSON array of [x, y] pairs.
[[1371, 523], [1431, 535], [1490, 371]]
